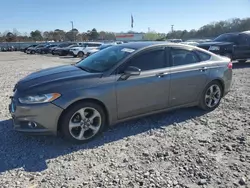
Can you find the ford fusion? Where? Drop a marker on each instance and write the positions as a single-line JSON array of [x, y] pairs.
[[118, 83]]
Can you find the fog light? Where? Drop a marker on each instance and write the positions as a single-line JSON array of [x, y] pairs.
[[32, 125]]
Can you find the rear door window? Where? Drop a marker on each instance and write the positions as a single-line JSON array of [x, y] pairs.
[[243, 39], [183, 57], [93, 45], [203, 56]]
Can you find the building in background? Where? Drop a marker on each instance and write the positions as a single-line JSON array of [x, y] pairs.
[[129, 36]]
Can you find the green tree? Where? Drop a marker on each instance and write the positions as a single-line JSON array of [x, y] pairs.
[[36, 35], [151, 36], [93, 34], [10, 37]]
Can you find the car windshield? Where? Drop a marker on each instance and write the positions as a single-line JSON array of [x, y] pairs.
[[73, 45], [226, 38], [105, 59]]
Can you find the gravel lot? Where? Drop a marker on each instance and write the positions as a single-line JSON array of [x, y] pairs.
[[183, 148]]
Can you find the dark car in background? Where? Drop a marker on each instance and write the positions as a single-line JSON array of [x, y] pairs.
[[236, 46], [33, 50], [63, 45], [64, 50], [46, 49], [30, 46]]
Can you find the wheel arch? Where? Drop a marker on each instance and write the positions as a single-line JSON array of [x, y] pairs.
[[96, 101], [220, 81]]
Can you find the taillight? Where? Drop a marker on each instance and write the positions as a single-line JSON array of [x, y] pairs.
[[230, 65]]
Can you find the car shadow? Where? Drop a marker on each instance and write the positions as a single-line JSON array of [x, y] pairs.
[[67, 57], [241, 65], [33, 152]]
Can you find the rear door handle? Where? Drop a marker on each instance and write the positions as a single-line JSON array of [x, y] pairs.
[[203, 69], [162, 74]]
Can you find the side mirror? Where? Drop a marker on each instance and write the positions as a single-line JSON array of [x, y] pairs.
[[130, 71]]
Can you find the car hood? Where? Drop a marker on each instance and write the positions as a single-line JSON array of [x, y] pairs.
[[52, 78], [214, 43]]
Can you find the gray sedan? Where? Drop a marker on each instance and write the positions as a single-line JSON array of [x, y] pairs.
[[116, 84]]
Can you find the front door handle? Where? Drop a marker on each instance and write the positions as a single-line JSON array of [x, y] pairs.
[[203, 69]]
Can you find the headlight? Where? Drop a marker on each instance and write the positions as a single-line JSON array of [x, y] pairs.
[[34, 99], [213, 48]]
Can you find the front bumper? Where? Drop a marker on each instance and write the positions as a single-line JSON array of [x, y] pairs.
[[36, 118]]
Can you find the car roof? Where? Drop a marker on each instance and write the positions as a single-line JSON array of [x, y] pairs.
[[246, 32], [92, 43], [139, 45]]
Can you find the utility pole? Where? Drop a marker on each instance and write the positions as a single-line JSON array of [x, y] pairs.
[[72, 26], [172, 28]]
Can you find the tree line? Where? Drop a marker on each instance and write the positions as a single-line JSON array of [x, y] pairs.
[[210, 30], [57, 35], [213, 29]]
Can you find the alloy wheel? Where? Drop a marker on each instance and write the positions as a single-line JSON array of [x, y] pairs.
[[213, 96], [85, 123]]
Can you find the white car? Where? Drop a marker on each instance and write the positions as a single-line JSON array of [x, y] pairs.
[[190, 43], [82, 50], [103, 46]]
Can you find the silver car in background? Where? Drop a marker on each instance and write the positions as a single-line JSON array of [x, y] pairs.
[[118, 83]]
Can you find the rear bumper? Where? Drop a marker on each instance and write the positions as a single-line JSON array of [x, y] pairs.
[[35, 119], [227, 87]]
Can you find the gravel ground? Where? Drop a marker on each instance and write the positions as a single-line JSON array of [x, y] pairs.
[[183, 148]]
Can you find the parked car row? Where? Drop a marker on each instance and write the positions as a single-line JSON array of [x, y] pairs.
[[75, 49], [8, 49]]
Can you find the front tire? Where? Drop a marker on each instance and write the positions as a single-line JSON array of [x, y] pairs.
[[83, 122], [211, 96], [80, 54]]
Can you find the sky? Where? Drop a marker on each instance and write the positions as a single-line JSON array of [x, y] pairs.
[[115, 15]]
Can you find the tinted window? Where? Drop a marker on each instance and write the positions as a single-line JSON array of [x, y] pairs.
[[244, 39], [227, 38], [203, 56], [93, 45], [149, 60], [183, 57]]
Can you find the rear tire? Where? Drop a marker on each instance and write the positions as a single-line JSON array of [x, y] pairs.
[[78, 118], [211, 96]]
